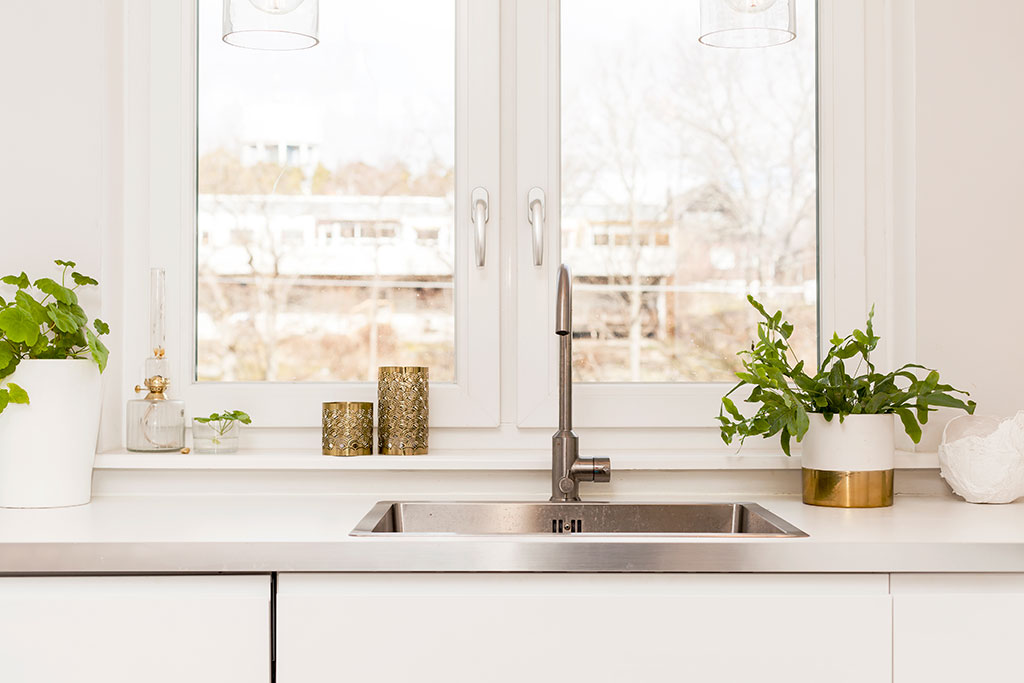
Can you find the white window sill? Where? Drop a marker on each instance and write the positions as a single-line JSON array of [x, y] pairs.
[[467, 461]]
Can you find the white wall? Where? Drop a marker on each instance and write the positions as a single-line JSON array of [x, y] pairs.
[[52, 85], [970, 197], [60, 116]]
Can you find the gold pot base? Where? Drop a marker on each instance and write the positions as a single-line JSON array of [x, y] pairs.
[[839, 489]]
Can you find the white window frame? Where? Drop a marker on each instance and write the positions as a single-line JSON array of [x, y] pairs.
[[506, 377], [472, 400], [856, 242]]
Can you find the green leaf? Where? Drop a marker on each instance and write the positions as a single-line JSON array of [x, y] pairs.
[[18, 326], [56, 290], [18, 395], [731, 408], [785, 440], [5, 398], [101, 327], [19, 281], [943, 401], [6, 354], [97, 349], [910, 424], [81, 280], [35, 310], [876, 403], [79, 314], [69, 264], [803, 422], [62, 318]]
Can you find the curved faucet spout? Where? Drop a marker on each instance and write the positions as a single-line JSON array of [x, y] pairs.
[[563, 302], [567, 468]]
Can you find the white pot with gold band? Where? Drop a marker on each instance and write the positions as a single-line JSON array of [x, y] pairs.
[[849, 463]]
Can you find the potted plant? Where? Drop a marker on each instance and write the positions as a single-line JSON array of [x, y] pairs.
[[51, 358], [846, 421], [218, 433]]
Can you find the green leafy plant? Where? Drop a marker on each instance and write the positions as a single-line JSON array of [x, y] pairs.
[[223, 422], [44, 320], [786, 393]]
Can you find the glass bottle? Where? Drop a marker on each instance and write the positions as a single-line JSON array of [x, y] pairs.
[[156, 423]]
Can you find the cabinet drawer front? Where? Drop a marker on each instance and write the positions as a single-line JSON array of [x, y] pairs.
[[957, 627], [127, 629], [592, 628]]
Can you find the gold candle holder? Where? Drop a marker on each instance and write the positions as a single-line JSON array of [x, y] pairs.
[[348, 428], [402, 410]]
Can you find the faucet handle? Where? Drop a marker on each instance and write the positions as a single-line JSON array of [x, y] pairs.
[[592, 469], [602, 469]]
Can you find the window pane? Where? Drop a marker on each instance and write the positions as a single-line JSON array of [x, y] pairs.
[[326, 198], [688, 181]]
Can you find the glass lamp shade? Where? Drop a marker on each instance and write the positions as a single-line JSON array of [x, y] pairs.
[[747, 23], [272, 24]]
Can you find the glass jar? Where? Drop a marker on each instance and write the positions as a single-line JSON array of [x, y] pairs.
[[216, 437], [155, 424]]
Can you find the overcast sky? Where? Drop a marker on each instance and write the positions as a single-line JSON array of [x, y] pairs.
[[381, 81]]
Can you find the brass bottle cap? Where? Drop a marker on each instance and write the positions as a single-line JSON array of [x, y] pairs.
[[156, 385]]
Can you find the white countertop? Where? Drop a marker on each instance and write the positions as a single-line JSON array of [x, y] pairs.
[[263, 533]]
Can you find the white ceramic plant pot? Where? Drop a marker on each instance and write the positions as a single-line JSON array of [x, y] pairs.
[[47, 447], [849, 463]]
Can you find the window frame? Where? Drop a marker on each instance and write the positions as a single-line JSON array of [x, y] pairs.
[[854, 227], [472, 400], [866, 188]]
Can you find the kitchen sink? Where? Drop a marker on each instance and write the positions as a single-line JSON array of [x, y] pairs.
[[745, 520]]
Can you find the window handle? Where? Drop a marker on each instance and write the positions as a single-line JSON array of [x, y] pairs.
[[535, 202], [481, 214]]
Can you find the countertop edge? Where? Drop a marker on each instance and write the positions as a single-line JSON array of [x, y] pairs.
[[575, 556]]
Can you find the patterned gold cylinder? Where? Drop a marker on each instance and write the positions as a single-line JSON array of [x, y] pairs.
[[348, 428], [402, 410]]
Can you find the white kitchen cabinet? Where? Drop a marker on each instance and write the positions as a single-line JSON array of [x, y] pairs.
[[957, 627], [135, 629], [588, 628]]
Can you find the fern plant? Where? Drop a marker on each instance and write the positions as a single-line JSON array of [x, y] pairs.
[[786, 393]]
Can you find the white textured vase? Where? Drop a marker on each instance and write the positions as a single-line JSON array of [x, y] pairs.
[[47, 448], [982, 458], [849, 463]]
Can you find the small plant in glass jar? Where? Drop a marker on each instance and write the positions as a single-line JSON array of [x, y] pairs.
[[218, 433]]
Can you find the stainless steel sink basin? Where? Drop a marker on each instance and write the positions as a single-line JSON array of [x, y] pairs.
[[746, 520]]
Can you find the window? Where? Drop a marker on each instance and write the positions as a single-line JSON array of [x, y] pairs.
[[716, 148], [316, 252], [326, 235], [383, 136]]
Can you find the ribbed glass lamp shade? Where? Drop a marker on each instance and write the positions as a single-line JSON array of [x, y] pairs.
[[747, 23], [272, 24]]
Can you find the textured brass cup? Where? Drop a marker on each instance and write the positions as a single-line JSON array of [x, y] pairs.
[[348, 428], [402, 410], [872, 489]]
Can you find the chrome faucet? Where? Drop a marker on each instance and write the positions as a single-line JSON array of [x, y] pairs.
[[567, 468]]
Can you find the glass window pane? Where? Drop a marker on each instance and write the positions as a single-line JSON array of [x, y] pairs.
[[688, 181], [326, 198]]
